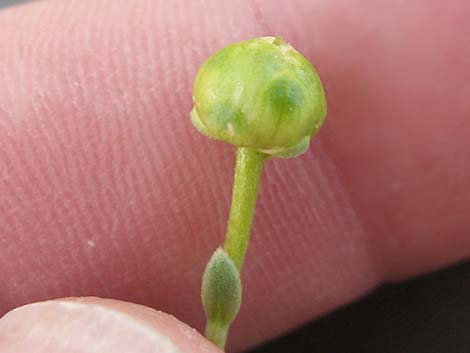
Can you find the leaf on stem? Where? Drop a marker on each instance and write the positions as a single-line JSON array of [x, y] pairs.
[[221, 290]]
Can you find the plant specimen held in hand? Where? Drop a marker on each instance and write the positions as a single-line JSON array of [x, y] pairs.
[[264, 97]]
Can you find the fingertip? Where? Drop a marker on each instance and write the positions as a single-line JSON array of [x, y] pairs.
[[75, 325]]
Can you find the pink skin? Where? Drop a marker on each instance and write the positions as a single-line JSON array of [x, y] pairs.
[[107, 189], [87, 325]]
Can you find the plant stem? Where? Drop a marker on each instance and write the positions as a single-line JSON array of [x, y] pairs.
[[248, 167], [217, 333]]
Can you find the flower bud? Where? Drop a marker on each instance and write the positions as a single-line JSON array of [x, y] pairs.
[[259, 93]]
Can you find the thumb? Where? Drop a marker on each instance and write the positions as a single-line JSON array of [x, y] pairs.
[[78, 325]]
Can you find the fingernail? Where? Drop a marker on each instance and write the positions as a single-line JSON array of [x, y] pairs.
[[96, 325]]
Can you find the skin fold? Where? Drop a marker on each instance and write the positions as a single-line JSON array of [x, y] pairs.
[[106, 189]]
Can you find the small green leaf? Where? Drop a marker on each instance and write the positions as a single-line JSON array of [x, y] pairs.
[[221, 289], [198, 123], [290, 152]]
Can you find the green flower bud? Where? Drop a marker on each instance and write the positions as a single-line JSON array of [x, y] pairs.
[[259, 93]]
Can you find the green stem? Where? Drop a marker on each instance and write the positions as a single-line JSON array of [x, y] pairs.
[[248, 169], [217, 333]]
